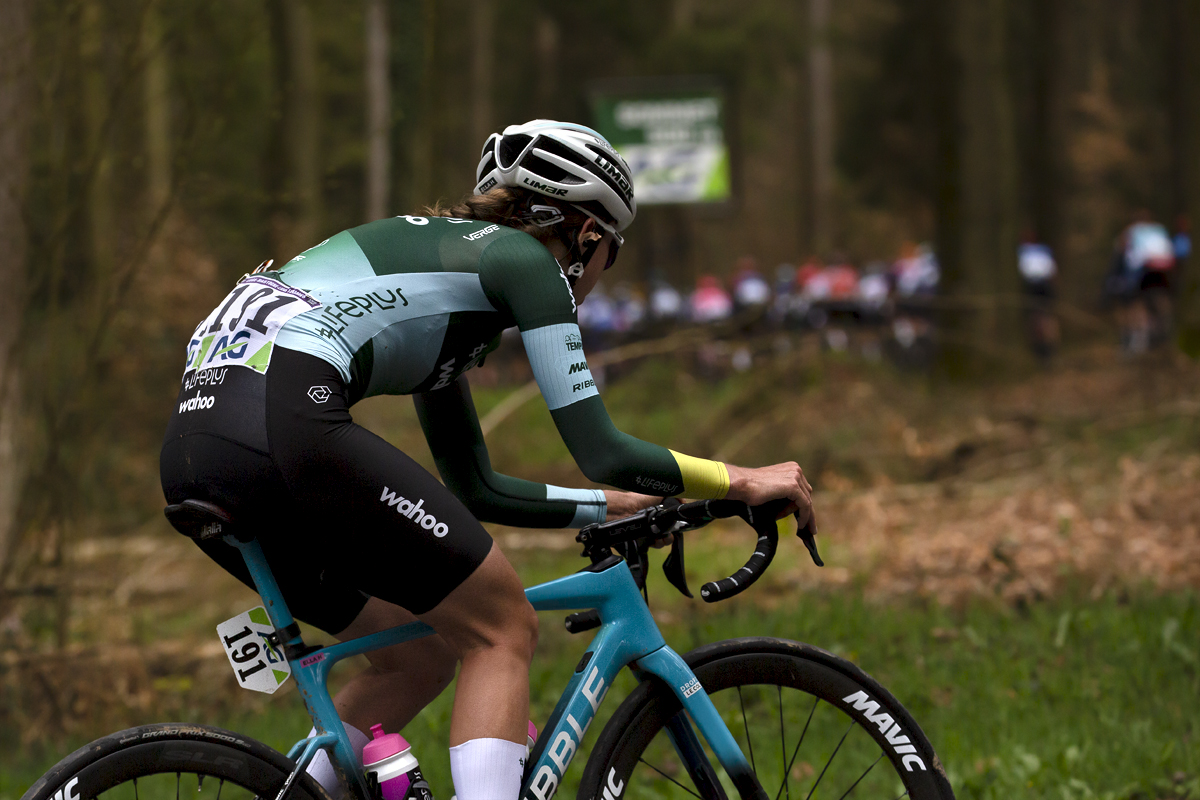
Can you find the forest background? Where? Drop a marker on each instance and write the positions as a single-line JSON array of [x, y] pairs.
[[153, 152]]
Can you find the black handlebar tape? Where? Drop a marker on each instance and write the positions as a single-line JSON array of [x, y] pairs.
[[741, 580]]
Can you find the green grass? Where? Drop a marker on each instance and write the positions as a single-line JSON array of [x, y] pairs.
[[1070, 698]]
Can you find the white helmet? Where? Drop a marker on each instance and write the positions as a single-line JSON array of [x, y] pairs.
[[563, 160]]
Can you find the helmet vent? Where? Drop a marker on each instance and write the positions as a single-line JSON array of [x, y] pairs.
[[511, 148], [548, 171]]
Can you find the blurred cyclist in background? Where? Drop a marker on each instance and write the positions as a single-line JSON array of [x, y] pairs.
[[1039, 274], [1141, 281]]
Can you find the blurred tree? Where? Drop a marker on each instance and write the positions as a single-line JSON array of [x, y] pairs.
[[546, 86], [292, 157], [1186, 164], [97, 105], [157, 108], [820, 71], [379, 109], [483, 66], [17, 110], [1048, 41], [426, 135], [977, 219]]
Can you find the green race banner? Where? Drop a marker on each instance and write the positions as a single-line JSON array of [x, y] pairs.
[[673, 138]]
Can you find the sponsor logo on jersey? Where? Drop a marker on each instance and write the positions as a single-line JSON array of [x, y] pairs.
[[541, 187], [410, 510], [205, 377], [580, 366], [319, 394], [447, 375], [891, 730], [482, 232], [335, 315], [579, 387], [197, 403], [614, 172], [657, 485], [573, 342]]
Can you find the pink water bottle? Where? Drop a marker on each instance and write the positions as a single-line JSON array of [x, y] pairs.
[[390, 758]]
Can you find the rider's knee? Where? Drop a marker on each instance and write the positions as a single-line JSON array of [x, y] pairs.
[[518, 631], [528, 622]]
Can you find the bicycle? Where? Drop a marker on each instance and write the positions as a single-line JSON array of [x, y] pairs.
[[682, 714]]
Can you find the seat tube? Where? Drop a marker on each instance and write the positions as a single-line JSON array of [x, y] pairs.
[[264, 581], [310, 679]]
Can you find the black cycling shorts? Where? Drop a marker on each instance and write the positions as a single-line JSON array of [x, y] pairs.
[[341, 514]]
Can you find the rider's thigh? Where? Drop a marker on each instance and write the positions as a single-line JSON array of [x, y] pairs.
[[431, 655], [487, 610]]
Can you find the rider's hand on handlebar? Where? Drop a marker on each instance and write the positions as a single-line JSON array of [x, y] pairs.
[[623, 504], [757, 486]]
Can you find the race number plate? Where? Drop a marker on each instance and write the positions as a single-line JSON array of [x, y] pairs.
[[241, 331], [257, 665]]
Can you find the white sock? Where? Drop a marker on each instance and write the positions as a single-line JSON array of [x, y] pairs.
[[321, 769], [487, 769]]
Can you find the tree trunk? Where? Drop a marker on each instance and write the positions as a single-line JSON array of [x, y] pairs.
[[1051, 106], [423, 140], [548, 39], [985, 264], [379, 110], [483, 35], [16, 109], [157, 105], [292, 168], [96, 106], [1187, 165], [820, 65], [1182, 141], [683, 15]]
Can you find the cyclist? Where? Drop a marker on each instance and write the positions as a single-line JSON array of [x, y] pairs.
[[1141, 275], [359, 536], [1039, 272]]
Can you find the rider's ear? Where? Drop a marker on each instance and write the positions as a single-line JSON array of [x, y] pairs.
[[587, 232]]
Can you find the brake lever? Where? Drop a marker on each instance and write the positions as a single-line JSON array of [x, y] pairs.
[[673, 567], [807, 536]]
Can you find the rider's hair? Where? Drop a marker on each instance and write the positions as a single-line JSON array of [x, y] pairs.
[[514, 208]]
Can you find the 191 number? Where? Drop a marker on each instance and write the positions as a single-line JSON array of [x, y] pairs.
[[247, 652]]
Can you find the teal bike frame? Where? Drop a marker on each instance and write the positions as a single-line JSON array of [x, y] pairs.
[[627, 635]]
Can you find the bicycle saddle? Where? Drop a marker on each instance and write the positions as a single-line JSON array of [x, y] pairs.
[[201, 520]]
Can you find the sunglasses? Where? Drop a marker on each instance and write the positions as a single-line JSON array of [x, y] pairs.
[[613, 248]]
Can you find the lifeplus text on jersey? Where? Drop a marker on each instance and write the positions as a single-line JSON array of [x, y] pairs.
[[358, 306]]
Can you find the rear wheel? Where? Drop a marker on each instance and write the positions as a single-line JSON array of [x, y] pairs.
[[813, 726], [170, 761]]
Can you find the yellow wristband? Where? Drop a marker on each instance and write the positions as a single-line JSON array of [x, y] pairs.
[[702, 479]]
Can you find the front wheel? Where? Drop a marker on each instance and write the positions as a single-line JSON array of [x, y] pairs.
[[170, 761], [812, 725]]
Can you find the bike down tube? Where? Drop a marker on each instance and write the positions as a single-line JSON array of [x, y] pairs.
[[309, 681], [670, 667], [627, 634]]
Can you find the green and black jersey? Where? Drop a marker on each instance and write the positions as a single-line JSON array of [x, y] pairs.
[[407, 305]]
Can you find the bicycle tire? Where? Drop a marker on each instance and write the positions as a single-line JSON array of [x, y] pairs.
[[619, 768], [150, 762]]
